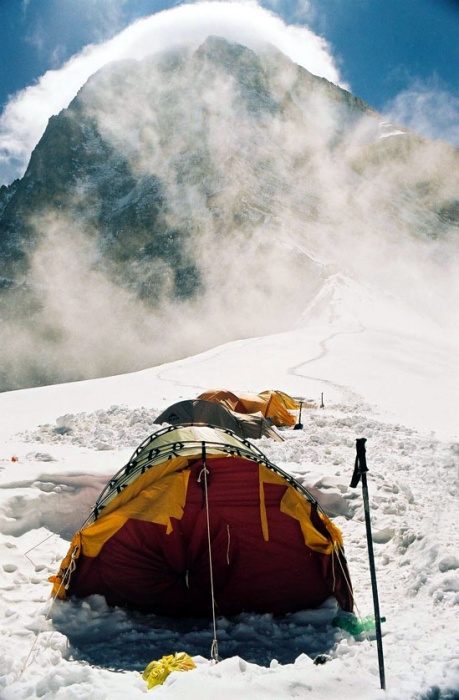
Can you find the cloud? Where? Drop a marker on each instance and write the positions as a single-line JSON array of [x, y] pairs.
[[86, 325], [25, 117], [102, 18], [304, 10], [427, 108]]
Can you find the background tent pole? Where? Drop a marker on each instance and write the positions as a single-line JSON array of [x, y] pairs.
[[360, 472], [299, 425]]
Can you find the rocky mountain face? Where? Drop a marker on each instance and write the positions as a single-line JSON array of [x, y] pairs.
[[200, 196]]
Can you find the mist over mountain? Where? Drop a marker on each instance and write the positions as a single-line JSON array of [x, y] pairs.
[[199, 196]]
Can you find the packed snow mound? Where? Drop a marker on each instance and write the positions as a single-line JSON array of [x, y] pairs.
[[105, 429]]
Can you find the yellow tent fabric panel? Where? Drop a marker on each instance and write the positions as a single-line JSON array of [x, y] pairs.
[[289, 402], [158, 503], [334, 531], [296, 506], [266, 476], [95, 535], [253, 403], [270, 405], [144, 481], [277, 412]]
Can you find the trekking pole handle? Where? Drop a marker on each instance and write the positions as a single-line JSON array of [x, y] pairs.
[[360, 467]]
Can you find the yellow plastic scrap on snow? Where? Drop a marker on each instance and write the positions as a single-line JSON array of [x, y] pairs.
[[157, 671]]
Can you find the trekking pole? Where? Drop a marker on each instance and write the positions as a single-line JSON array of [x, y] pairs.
[[360, 472]]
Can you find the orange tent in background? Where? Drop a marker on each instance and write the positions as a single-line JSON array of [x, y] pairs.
[[274, 405], [271, 405], [226, 398]]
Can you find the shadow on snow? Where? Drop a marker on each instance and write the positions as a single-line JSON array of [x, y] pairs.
[[120, 639]]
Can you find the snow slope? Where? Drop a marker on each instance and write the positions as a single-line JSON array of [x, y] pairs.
[[384, 375]]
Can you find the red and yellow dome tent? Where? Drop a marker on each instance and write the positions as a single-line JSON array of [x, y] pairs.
[[200, 517]]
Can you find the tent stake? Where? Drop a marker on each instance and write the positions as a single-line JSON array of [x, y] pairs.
[[360, 472]]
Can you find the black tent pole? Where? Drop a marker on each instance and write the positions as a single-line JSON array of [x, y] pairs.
[[299, 425], [360, 472]]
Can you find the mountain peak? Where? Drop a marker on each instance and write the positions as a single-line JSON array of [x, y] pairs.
[[191, 185]]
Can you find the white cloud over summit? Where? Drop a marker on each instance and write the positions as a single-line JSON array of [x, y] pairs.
[[25, 117]]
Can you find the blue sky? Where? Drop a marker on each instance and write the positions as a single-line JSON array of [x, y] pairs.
[[400, 56]]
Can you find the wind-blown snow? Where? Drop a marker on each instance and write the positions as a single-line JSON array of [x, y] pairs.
[[384, 375]]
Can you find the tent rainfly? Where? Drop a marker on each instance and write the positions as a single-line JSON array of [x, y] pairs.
[[201, 412], [225, 398], [194, 501]]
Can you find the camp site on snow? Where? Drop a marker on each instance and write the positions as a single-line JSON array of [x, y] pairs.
[[200, 522], [146, 543]]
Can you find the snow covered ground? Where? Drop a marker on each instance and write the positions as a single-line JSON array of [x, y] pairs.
[[385, 375]]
